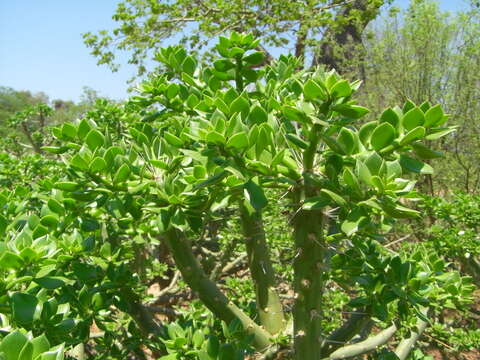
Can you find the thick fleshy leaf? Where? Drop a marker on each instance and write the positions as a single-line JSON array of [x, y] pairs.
[[382, 136], [346, 139], [94, 139], [433, 116], [425, 153], [24, 307], [412, 135], [413, 118], [415, 165], [255, 195], [238, 141], [390, 116], [255, 58], [312, 90], [12, 344]]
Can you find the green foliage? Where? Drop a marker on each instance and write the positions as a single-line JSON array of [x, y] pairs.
[[143, 27], [20, 346], [196, 147], [430, 56]]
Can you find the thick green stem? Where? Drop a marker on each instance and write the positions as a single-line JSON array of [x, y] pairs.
[[309, 271], [406, 345], [208, 291], [268, 302], [363, 347]]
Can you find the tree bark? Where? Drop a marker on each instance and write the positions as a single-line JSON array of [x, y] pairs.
[[341, 44]]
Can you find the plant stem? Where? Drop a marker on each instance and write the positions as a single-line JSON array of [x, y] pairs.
[[208, 291], [365, 346], [268, 302], [406, 345], [308, 281]]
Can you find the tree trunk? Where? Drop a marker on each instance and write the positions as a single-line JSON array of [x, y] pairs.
[[342, 44]]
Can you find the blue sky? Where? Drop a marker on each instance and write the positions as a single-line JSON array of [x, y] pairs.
[[41, 47]]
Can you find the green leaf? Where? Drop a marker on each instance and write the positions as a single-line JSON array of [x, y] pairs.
[[223, 65], [172, 139], [351, 180], [351, 111], [66, 186], [98, 164], [415, 165], [55, 149], [295, 140], [374, 163], [262, 142], [215, 138], [50, 282], [258, 115], [335, 197], [10, 260], [40, 345], [172, 91], [365, 132], [94, 139], [122, 174], [55, 206], [425, 153], [69, 130], [437, 134], [49, 221], [341, 89], [3, 224], [39, 231], [382, 136], [390, 116], [78, 162], [409, 105], [412, 135], [238, 141], [433, 116], [255, 195], [413, 118], [312, 90], [378, 183], [23, 308], [54, 354], [353, 222], [316, 202], [199, 172], [227, 352], [83, 129], [346, 139], [255, 58], [363, 173], [397, 211], [394, 169], [240, 105], [235, 51], [12, 344], [189, 65], [293, 114], [211, 180]]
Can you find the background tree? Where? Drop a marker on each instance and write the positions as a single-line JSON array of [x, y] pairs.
[[424, 53], [317, 30]]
